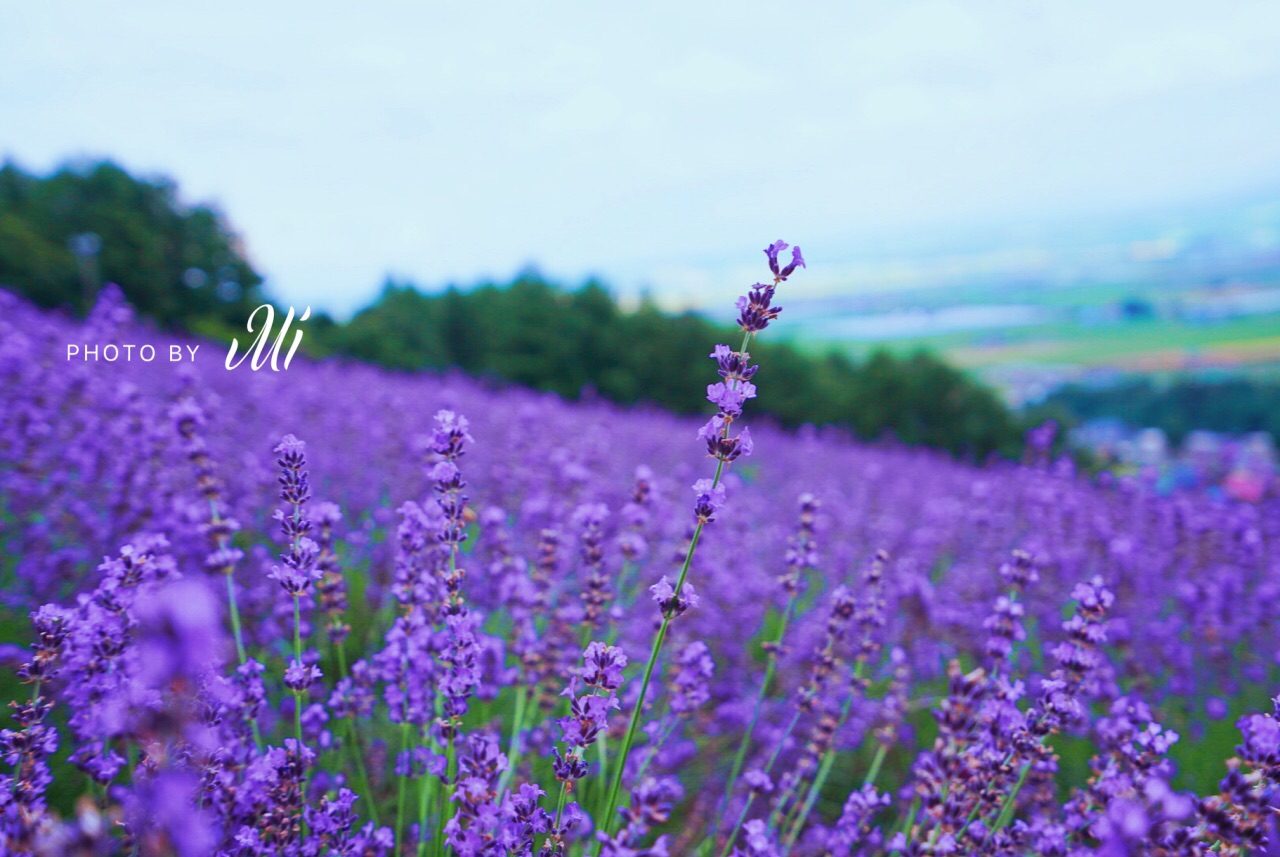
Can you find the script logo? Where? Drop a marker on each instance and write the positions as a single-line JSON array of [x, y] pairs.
[[259, 344]]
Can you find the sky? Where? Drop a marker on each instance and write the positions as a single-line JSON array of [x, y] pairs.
[[657, 145]]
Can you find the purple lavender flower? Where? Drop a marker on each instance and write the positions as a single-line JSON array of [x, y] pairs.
[[588, 715], [772, 252], [730, 399], [299, 676], [603, 667], [733, 365], [669, 603], [756, 309], [710, 497]]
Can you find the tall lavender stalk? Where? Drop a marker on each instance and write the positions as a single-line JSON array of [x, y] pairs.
[[449, 440], [755, 311], [188, 418], [298, 572]]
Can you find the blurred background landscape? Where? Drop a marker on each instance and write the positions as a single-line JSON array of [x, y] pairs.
[[1010, 215]]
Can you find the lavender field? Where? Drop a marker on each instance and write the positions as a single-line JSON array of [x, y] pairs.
[[334, 610]]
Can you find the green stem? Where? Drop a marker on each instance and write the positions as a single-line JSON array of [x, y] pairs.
[[785, 796], [793, 814], [235, 619], [602, 744], [740, 757], [828, 759], [1010, 800], [874, 770], [977, 807], [236, 631], [615, 785], [624, 586], [445, 794], [823, 773], [555, 828], [746, 807], [644, 766], [404, 747], [297, 700], [354, 732], [513, 749], [428, 786], [341, 651], [369, 799]]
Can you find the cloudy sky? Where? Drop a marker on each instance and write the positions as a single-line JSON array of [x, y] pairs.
[[655, 144]]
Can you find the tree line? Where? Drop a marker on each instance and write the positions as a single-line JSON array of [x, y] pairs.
[[184, 266]]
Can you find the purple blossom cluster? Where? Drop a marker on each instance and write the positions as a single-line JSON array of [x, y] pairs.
[[297, 614]]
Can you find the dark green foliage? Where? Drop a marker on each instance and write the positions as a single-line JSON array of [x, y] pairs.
[[1233, 406], [175, 263], [532, 333]]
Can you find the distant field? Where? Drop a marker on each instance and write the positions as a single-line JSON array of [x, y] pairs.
[[1026, 340], [1130, 344]]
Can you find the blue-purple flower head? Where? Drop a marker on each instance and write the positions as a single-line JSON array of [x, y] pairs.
[[1040, 438], [669, 602], [733, 365], [571, 766], [51, 627], [299, 569], [781, 273], [326, 514], [720, 445], [1094, 598], [590, 516], [450, 436], [1020, 572], [730, 398], [603, 666], [291, 450], [709, 498], [756, 309], [588, 716], [299, 676], [758, 781], [295, 488], [187, 416], [446, 476]]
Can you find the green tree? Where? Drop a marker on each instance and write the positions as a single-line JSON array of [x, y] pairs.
[[176, 263]]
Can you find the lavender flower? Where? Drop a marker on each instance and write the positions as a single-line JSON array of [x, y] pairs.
[[603, 669], [772, 252], [669, 602]]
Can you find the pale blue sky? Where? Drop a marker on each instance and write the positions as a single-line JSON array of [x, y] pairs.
[[651, 143]]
